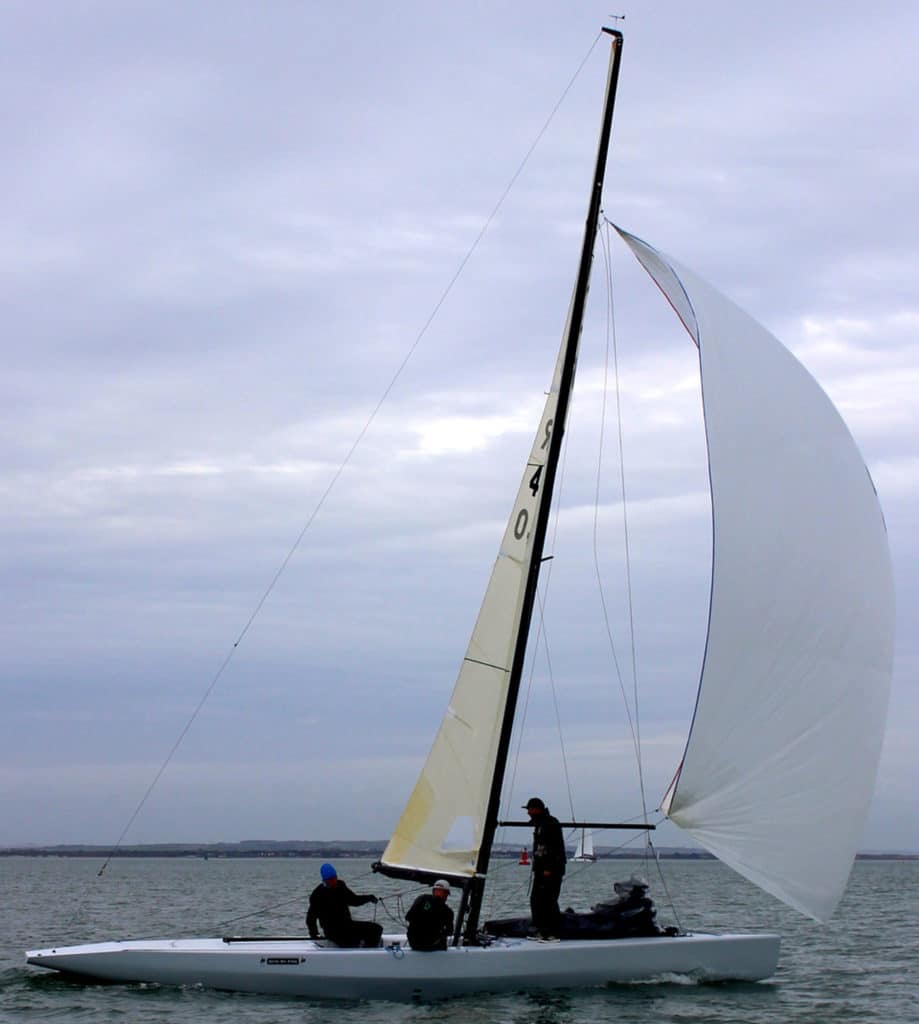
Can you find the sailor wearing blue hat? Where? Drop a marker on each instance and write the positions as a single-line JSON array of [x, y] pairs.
[[329, 903]]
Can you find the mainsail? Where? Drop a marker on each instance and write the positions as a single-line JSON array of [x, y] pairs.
[[441, 828], [782, 756]]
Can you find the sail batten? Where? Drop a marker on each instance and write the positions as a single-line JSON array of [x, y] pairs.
[[779, 768]]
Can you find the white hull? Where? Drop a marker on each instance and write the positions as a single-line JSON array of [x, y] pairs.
[[300, 967]]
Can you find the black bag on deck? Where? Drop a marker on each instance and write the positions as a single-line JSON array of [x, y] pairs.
[[630, 915]]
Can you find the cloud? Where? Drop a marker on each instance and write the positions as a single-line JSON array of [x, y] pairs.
[[222, 236]]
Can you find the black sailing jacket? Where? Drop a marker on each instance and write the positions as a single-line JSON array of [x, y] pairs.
[[548, 845], [430, 923], [329, 906]]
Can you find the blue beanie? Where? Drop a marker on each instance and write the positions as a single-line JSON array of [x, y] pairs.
[[327, 872]]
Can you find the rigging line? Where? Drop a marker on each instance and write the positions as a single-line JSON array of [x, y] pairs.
[[634, 724], [541, 602], [381, 904], [558, 719], [255, 913], [515, 887], [516, 884], [624, 844], [660, 872], [504, 869], [357, 441], [299, 898], [625, 523]]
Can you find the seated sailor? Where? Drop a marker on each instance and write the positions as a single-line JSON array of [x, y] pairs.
[[329, 903], [430, 920]]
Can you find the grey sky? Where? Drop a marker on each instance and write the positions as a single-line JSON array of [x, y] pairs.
[[224, 224]]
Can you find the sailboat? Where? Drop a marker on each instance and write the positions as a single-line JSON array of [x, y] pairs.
[[779, 766], [584, 851]]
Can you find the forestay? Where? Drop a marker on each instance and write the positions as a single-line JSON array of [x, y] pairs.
[[782, 756]]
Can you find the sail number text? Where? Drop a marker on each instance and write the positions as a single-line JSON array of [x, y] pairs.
[[523, 516]]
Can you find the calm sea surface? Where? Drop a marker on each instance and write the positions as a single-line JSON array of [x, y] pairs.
[[862, 967]]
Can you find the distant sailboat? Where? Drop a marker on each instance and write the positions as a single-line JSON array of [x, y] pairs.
[[584, 851], [779, 766]]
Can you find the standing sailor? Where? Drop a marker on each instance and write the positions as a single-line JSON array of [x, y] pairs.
[[549, 859]]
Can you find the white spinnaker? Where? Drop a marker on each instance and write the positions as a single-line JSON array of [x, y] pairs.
[[441, 827], [782, 755]]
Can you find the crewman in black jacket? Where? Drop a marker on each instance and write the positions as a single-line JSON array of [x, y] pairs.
[[329, 903], [430, 920], [549, 860]]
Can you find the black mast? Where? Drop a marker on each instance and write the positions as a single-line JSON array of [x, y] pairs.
[[472, 896]]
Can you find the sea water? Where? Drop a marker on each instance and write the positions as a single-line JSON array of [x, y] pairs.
[[861, 967]]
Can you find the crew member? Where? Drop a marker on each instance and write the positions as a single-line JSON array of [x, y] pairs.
[[430, 920], [549, 859], [329, 903]]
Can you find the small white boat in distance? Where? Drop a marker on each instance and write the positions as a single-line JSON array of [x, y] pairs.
[[584, 851]]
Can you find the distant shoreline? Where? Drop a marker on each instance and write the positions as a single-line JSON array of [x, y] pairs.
[[335, 848]]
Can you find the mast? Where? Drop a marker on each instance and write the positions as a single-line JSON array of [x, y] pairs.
[[476, 888]]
